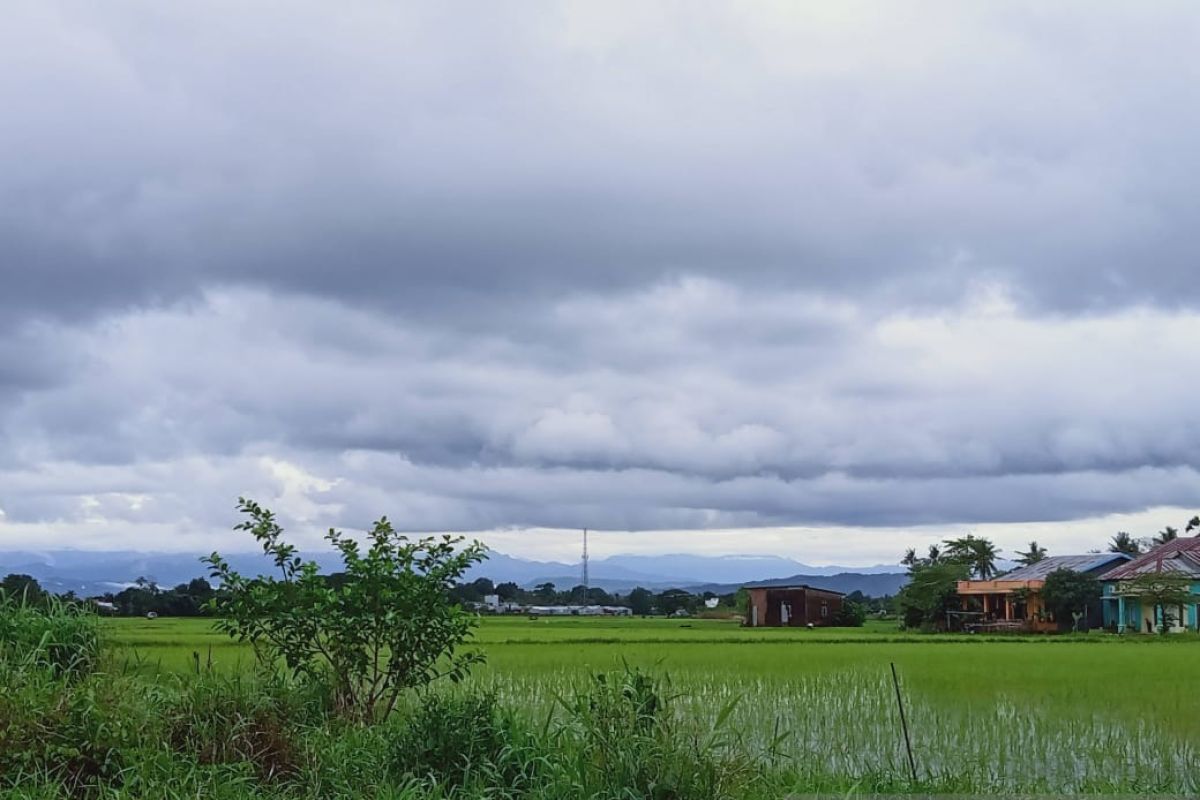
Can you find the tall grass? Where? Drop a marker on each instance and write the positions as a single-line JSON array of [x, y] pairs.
[[48, 634]]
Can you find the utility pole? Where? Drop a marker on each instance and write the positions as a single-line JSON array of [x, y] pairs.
[[585, 561]]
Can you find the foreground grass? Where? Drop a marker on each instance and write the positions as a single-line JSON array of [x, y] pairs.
[[815, 710]]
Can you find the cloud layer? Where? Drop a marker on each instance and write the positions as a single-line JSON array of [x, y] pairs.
[[638, 266]]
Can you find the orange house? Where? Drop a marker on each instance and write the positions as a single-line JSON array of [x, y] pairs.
[[1014, 600]]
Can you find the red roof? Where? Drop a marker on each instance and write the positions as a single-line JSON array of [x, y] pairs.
[[1178, 555]]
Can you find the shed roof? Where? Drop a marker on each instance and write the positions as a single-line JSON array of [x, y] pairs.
[[1084, 563], [1178, 555], [791, 586]]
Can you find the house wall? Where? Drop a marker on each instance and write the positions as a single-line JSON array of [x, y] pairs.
[[1140, 618], [806, 606]]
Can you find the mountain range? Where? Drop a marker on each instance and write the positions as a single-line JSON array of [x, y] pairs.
[[96, 572]]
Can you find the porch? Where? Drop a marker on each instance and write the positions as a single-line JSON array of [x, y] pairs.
[[1005, 606]]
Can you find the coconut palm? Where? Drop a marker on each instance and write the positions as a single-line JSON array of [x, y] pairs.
[[1167, 534], [1193, 525], [978, 554], [1122, 542], [1035, 554]]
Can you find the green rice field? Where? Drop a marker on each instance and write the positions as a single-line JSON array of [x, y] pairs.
[[1087, 713]]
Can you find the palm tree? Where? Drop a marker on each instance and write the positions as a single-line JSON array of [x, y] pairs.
[[1167, 534], [935, 555], [1122, 542], [985, 558], [978, 554], [1193, 525], [910, 557], [1035, 554]]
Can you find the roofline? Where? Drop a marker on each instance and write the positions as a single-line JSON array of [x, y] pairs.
[[1153, 557], [791, 586]]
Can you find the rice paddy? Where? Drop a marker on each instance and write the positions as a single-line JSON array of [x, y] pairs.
[[1093, 713]]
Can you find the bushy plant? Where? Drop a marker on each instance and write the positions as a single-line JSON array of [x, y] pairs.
[[622, 739], [75, 734], [386, 625], [850, 615], [1067, 593], [218, 719], [47, 634], [930, 593], [461, 740]]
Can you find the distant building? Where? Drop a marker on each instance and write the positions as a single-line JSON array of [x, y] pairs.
[[712, 602], [1014, 600], [578, 611], [1127, 613], [791, 606]]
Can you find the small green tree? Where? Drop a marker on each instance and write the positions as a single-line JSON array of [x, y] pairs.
[[641, 601], [1067, 593], [22, 588], [931, 591], [1163, 591], [673, 600], [850, 615], [388, 626]]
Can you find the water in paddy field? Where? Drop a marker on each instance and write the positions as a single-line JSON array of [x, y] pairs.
[[846, 726]]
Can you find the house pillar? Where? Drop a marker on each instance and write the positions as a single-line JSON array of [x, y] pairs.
[[1120, 613], [986, 603], [1008, 606]]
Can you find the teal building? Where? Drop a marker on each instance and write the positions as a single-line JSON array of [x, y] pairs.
[[1129, 614]]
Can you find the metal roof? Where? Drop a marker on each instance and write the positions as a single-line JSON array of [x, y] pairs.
[[1084, 563], [791, 586], [1178, 555]]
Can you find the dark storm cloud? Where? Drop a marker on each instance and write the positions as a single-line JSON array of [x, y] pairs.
[[435, 161], [644, 265]]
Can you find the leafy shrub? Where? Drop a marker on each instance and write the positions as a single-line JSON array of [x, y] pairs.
[[850, 615], [385, 625], [930, 593]]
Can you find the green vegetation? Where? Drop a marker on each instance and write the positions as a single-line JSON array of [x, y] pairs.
[[312, 686], [813, 709], [379, 628], [692, 708], [1067, 594]]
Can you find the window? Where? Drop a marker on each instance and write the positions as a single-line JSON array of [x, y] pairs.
[[824, 608]]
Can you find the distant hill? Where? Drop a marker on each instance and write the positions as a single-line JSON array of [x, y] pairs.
[[96, 572], [89, 572], [722, 569], [876, 585]]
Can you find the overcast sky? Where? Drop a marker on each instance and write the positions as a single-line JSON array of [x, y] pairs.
[[820, 279]]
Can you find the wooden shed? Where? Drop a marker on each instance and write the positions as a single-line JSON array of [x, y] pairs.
[[791, 606]]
